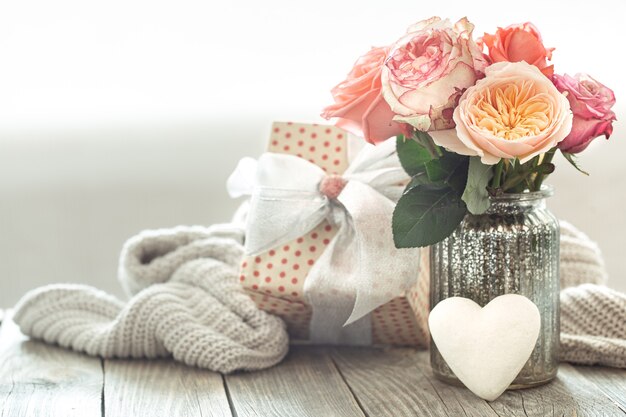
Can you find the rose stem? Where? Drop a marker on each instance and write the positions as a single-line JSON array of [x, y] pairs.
[[427, 141], [546, 160], [497, 174]]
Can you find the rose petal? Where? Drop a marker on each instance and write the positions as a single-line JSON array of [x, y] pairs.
[[378, 123]]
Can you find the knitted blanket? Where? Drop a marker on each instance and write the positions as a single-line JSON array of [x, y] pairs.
[[593, 317], [187, 302]]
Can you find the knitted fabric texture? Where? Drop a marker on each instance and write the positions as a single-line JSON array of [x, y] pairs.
[[593, 326], [186, 302], [593, 317], [581, 259]]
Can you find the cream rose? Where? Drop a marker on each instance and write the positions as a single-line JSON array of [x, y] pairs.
[[514, 112], [428, 69]]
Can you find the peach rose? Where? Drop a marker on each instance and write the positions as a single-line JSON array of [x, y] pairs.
[[427, 71], [517, 43], [359, 105], [591, 103], [514, 112]]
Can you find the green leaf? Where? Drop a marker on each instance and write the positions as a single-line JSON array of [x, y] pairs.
[[450, 169], [441, 169], [426, 214], [412, 155], [475, 194], [458, 177], [424, 139], [418, 179], [571, 158], [438, 170]]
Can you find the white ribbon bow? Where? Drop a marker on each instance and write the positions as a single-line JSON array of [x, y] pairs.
[[360, 269]]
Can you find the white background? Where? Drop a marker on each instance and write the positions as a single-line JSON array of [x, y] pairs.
[[121, 115]]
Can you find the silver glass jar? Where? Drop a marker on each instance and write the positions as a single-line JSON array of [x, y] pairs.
[[512, 248]]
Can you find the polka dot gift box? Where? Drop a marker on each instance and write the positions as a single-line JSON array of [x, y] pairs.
[[321, 256]]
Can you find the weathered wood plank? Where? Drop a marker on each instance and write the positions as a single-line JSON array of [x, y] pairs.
[[40, 380], [307, 383], [162, 388], [570, 394], [398, 382], [611, 381]]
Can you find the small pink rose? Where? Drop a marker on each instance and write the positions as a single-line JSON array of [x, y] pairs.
[[591, 103], [427, 71], [359, 105]]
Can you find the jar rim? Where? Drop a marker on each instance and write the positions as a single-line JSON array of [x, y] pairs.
[[545, 192]]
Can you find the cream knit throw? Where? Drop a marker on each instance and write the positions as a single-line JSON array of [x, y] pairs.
[[593, 317], [593, 326], [187, 302]]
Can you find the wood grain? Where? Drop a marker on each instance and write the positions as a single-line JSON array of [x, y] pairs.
[[610, 381], [162, 388], [307, 383], [398, 382], [570, 394], [41, 381]]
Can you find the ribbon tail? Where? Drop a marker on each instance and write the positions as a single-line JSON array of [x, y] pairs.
[[384, 272], [329, 289]]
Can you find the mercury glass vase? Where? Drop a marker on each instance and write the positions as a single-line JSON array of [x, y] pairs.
[[513, 248]]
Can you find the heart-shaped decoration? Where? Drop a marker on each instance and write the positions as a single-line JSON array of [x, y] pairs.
[[485, 347]]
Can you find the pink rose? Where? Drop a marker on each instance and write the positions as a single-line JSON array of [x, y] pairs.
[[428, 69], [514, 112], [359, 105], [591, 104], [517, 43]]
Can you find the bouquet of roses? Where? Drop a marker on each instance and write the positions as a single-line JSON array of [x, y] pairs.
[[473, 118]]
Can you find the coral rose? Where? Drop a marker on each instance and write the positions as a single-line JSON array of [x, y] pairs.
[[359, 105], [591, 104], [517, 43], [427, 71], [514, 112]]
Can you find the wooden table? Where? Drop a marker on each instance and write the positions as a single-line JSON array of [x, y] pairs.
[[39, 380]]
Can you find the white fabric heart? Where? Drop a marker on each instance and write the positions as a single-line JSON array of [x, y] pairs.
[[485, 347]]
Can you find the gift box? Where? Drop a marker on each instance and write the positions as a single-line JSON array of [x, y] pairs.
[[320, 266]]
